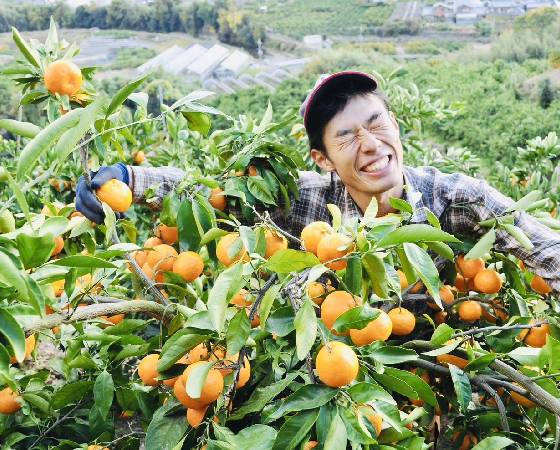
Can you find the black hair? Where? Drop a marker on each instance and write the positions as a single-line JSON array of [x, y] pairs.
[[330, 101]]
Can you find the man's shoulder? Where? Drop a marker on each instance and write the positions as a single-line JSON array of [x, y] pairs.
[[309, 179], [430, 178]]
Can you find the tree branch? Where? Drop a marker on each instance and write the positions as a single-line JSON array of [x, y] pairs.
[[153, 309], [498, 328], [499, 404]]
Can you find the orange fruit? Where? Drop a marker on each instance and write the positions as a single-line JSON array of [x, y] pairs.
[[63, 78], [217, 199], [196, 416], [402, 279], [440, 317], [316, 292], [488, 281], [139, 157], [29, 347], [446, 294], [335, 304], [147, 269], [521, 400], [116, 194], [147, 369], [310, 444], [469, 268], [97, 447], [115, 319], [375, 419], [274, 243], [189, 265], [470, 311], [313, 233], [9, 401], [378, 329], [328, 249], [403, 321], [198, 353], [240, 299], [536, 336], [252, 171], [162, 258], [452, 359], [522, 266], [211, 390], [469, 440], [417, 287], [222, 250], [540, 286], [461, 283], [58, 287], [58, 245], [244, 373], [169, 235], [337, 364]]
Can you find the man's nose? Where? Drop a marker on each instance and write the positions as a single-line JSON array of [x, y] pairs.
[[368, 142]]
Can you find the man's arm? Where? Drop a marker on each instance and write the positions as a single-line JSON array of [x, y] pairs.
[[165, 178], [485, 202]]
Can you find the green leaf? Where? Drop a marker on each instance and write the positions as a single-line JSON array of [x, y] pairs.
[[259, 189], [198, 121], [20, 197], [238, 331], [483, 246], [353, 275], [83, 261], [44, 141], [309, 396], [13, 332], [281, 321], [441, 334], [392, 355], [306, 329], [70, 393], [336, 215], [123, 93], [356, 318], [422, 388], [377, 274], [25, 129], [481, 362], [197, 378], [462, 387], [103, 391], [165, 431], [442, 249], [365, 392], [212, 234], [34, 250], [396, 385], [425, 268], [518, 235], [416, 233], [177, 346], [337, 437], [262, 396], [11, 276], [170, 206], [4, 362], [267, 302], [189, 237], [493, 443], [255, 437], [28, 52], [294, 430], [370, 214], [218, 297], [525, 202], [401, 205], [69, 140], [288, 261]]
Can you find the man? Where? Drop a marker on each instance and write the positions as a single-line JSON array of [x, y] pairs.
[[354, 136]]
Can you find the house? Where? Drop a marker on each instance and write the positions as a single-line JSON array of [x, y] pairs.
[[234, 63], [181, 61], [539, 4], [204, 65], [466, 18], [316, 41], [505, 8], [161, 60], [470, 7], [443, 11]]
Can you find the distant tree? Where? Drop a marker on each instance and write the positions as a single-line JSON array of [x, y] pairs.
[[484, 28], [546, 94], [554, 59]]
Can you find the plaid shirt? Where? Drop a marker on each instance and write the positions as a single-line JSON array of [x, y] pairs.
[[457, 200]]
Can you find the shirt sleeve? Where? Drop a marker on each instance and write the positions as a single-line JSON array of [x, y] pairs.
[[164, 179], [482, 202]]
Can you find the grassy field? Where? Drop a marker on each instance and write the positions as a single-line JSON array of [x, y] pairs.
[[330, 17]]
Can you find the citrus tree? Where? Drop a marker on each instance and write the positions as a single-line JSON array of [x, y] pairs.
[[209, 326]]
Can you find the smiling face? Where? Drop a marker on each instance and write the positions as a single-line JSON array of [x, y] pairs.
[[363, 147]]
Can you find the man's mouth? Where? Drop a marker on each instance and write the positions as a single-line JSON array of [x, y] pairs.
[[377, 166]]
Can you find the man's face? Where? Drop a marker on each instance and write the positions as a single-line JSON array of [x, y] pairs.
[[363, 147]]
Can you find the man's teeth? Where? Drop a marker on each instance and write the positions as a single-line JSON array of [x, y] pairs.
[[378, 165]]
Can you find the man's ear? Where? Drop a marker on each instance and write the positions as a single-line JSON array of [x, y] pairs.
[[393, 119], [322, 160]]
